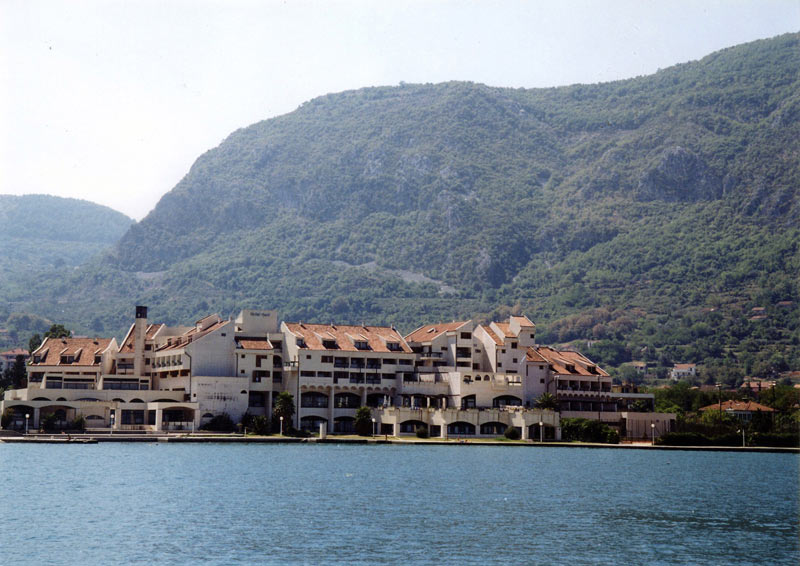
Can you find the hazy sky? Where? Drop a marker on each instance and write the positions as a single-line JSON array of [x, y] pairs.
[[112, 101]]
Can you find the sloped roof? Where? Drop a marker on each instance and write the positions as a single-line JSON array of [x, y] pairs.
[[191, 335], [738, 406], [128, 342], [254, 344], [375, 336], [430, 331], [560, 359], [83, 349]]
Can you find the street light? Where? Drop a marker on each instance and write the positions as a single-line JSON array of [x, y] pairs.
[[653, 433], [541, 431], [281, 426], [742, 431], [373, 427], [27, 416]]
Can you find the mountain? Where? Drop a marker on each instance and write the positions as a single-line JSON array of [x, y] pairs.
[[42, 237], [648, 215]]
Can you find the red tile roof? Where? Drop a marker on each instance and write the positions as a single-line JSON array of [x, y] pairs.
[[533, 356], [190, 336], [505, 328], [345, 336], [739, 406], [252, 344], [491, 333], [83, 349], [14, 353], [127, 343], [430, 331], [561, 359]]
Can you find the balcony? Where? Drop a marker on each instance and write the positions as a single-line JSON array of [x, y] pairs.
[[430, 355]]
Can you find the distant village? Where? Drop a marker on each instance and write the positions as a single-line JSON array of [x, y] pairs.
[[453, 379]]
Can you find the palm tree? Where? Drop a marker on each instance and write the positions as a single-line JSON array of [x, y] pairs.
[[284, 407], [547, 401]]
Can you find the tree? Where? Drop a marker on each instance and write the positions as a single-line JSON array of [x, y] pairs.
[[18, 372], [58, 331], [34, 342], [547, 401], [363, 422], [284, 407]]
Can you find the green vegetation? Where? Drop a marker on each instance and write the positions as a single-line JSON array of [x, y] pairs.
[[648, 217], [512, 433], [363, 421], [220, 423], [422, 432], [586, 430], [284, 407]]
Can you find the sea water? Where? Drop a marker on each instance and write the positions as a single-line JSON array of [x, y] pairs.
[[176, 504]]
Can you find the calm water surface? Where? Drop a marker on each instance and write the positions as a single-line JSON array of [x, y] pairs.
[[337, 504]]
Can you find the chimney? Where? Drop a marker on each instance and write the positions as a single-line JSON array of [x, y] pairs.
[[139, 334]]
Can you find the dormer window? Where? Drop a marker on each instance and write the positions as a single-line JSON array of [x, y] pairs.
[[329, 344], [361, 345], [301, 343], [68, 359], [393, 346], [97, 359]]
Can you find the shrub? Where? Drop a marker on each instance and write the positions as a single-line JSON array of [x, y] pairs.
[[48, 423], [260, 425], [220, 423], [587, 430], [512, 433], [422, 432], [78, 424], [6, 418]]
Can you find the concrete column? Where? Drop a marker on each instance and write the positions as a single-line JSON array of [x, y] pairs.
[[443, 430], [159, 417], [396, 429], [558, 433], [428, 401], [364, 397], [525, 431], [330, 409]]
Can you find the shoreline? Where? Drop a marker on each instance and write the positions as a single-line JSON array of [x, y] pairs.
[[239, 439]]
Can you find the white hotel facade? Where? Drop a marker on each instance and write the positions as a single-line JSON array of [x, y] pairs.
[[457, 379]]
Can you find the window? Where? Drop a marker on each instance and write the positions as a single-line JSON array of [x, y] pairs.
[[241, 371], [393, 346], [515, 360], [361, 345], [513, 345], [443, 348], [404, 362], [308, 356], [97, 359], [242, 356], [466, 335], [326, 359], [499, 365], [329, 344], [389, 361], [223, 334], [541, 380]]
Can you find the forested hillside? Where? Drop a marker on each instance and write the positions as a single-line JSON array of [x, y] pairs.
[[43, 237], [648, 216]]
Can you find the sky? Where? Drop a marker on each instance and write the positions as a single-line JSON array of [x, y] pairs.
[[112, 101]]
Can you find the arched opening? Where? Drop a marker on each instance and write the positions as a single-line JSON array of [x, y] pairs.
[[493, 428], [344, 425], [137, 400], [376, 400], [410, 427], [461, 428], [346, 401], [314, 399], [545, 433], [468, 402], [41, 399], [311, 423], [506, 401]]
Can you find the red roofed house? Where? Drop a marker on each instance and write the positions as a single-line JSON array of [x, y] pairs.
[[742, 410], [9, 357]]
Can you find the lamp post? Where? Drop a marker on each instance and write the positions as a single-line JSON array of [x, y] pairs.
[[27, 416], [373, 427], [541, 431], [742, 431], [281, 426], [653, 433]]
